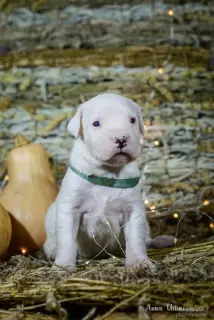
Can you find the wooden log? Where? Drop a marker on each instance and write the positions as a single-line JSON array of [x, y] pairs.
[[146, 24], [109, 34], [44, 5], [198, 93], [131, 56]]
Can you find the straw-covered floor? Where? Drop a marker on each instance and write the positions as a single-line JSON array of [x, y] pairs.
[[183, 276]]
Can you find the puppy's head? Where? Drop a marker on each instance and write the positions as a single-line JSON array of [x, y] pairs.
[[110, 126]]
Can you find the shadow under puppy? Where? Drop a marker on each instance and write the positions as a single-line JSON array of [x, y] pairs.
[[99, 208]]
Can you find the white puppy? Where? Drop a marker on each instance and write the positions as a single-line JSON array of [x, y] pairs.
[[100, 203]]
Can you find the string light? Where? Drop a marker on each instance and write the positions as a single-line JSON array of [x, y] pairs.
[[211, 225], [141, 141], [104, 248], [176, 215], [6, 178], [152, 208], [156, 143], [171, 13], [106, 221], [24, 250], [114, 235], [160, 70], [146, 201], [206, 202]]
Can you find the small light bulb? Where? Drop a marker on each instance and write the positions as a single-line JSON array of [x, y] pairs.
[[211, 225], [206, 202], [6, 178], [106, 221], [160, 70], [156, 143], [176, 215], [141, 141], [24, 250], [146, 201], [171, 13], [152, 208]]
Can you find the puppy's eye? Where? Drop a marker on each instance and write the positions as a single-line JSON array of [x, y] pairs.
[[96, 123], [132, 120]]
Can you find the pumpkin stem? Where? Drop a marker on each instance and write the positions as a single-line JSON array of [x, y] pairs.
[[20, 141]]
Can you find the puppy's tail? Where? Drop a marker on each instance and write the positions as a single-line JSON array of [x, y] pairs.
[[161, 242]]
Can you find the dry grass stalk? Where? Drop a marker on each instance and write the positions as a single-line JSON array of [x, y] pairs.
[[33, 285]]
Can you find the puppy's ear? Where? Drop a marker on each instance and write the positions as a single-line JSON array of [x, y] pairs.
[[140, 118], [75, 124]]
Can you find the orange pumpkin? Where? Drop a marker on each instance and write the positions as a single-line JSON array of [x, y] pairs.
[[30, 191], [5, 231]]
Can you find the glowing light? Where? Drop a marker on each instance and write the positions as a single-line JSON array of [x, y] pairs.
[[6, 178], [24, 250], [156, 143], [176, 215], [206, 202], [171, 13], [152, 208], [175, 240], [145, 127], [146, 201], [160, 70], [87, 262], [211, 225], [141, 141], [106, 221]]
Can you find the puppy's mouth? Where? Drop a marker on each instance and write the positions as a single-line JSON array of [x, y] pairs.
[[121, 154], [120, 158]]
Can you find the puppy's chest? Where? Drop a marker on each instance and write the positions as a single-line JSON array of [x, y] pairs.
[[102, 214]]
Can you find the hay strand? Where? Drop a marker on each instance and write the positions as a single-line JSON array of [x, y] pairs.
[[24, 284]]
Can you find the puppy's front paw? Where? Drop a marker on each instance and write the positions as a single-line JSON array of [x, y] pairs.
[[61, 269], [62, 266], [61, 273], [144, 262]]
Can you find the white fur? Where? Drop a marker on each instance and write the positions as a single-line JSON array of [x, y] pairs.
[[86, 217]]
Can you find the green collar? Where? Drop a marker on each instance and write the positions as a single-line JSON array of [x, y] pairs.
[[108, 182]]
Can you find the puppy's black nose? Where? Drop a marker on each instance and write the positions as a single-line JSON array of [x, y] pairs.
[[121, 142]]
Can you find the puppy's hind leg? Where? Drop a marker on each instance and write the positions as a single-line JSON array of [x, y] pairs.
[[159, 242], [50, 249], [50, 229]]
